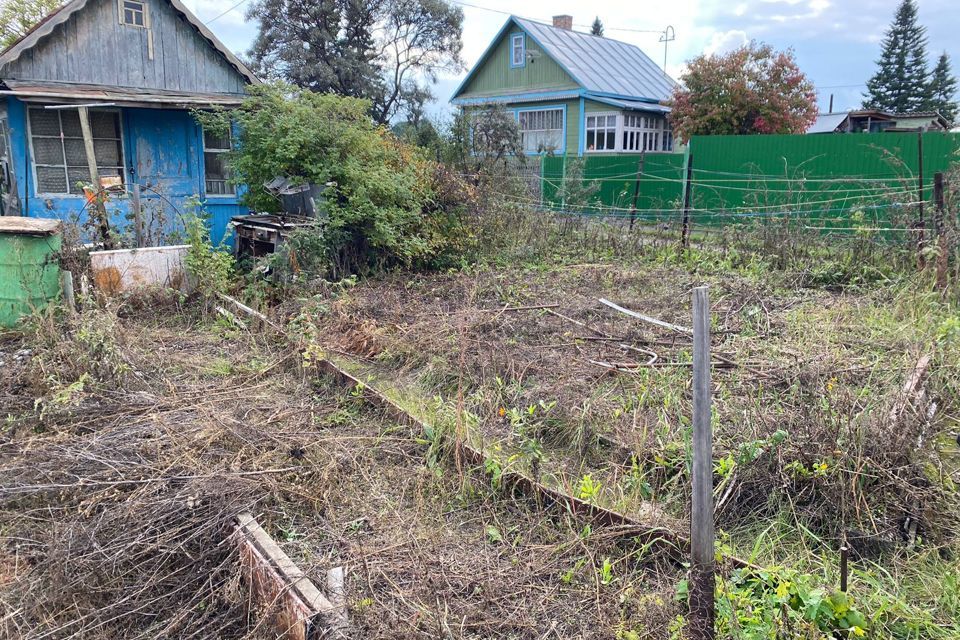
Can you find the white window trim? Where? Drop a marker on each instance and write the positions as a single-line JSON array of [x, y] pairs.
[[563, 126], [146, 15], [228, 184], [618, 131], [523, 50], [33, 157]]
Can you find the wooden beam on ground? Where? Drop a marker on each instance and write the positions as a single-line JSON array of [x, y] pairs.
[[639, 316], [253, 313], [296, 609], [912, 391]]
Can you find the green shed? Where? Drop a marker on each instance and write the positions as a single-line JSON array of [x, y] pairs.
[[29, 267]]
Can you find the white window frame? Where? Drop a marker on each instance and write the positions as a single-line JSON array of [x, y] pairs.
[[561, 148], [122, 14], [618, 120], [514, 39], [66, 167], [651, 134], [232, 193]]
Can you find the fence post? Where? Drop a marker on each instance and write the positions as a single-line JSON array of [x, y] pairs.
[[942, 243], [636, 187], [137, 214], [687, 188], [921, 241], [702, 560]]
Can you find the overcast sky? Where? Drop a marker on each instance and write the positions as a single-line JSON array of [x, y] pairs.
[[836, 41]]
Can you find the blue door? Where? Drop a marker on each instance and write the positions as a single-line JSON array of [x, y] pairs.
[[164, 159]]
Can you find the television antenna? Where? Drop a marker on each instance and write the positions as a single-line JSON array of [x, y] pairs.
[[667, 36]]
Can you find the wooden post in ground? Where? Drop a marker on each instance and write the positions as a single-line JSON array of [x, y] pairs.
[[921, 240], [103, 223], [702, 560], [66, 284], [137, 215], [687, 188], [942, 243], [636, 188]]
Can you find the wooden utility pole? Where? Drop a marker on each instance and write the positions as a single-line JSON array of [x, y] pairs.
[[687, 188], [943, 244], [636, 188], [702, 560]]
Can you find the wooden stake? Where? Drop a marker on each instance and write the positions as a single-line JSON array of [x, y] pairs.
[[103, 223], [636, 188], [66, 283], [702, 569], [687, 188], [942, 244]]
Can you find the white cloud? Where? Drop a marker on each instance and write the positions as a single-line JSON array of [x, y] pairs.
[[725, 41]]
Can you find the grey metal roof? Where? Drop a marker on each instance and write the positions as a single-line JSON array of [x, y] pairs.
[[827, 122], [634, 105], [600, 64]]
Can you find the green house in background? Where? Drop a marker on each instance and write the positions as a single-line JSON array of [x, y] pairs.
[[572, 93]]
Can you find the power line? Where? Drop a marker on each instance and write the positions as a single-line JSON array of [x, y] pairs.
[[585, 26], [220, 15]]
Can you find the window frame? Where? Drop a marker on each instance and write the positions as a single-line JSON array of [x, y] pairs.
[[514, 37], [228, 177], [562, 108], [146, 14], [66, 167], [617, 128]]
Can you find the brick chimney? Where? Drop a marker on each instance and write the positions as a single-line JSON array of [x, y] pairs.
[[563, 22]]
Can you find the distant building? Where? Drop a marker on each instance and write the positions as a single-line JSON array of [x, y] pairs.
[[571, 92], [138, 67], [876, 121]]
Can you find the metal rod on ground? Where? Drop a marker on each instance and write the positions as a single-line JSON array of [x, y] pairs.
[[687, 188], [942, 253], [66, 283], [636, 188], [844, 554], [648, 319], [702, 560], [921, 260]]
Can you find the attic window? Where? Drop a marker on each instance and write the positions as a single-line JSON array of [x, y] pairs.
[[518, 50], [133, 13]]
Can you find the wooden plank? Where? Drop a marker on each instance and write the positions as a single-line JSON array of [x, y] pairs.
[[296, 609], [702, 559], [22, 225], [912, 391]]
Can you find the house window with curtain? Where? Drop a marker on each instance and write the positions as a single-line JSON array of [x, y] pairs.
[[541, 130], [601, 132], [518, 53], [215, 149], [59, 154]]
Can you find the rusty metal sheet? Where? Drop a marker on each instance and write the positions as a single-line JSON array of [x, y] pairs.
[[123, 270]]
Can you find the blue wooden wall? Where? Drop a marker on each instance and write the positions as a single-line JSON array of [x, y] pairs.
[[163, 152]]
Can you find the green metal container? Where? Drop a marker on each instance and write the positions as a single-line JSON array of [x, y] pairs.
[[29, 268]]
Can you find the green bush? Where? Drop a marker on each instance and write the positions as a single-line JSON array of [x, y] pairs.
[[379, 204]]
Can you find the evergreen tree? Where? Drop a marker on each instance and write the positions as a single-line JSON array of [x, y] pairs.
[[943, 87], [387, 51], [901, 81], [597, 28]]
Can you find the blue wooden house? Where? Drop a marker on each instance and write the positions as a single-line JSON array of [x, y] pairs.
[[120, 78], [572, 93]]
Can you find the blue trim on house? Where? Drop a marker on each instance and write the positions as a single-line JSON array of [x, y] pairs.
[[543, 107], [523, 48], [582, 127], [520, 97], [484, 56]]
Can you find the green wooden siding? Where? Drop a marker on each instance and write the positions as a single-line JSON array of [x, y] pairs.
[[495, 77]]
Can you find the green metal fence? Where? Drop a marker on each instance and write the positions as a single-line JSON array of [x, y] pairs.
[[827, 181]]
